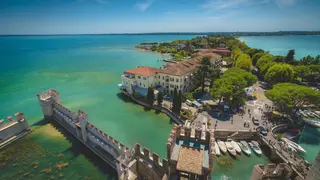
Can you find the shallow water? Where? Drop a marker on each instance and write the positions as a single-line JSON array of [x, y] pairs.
[[86, 71]]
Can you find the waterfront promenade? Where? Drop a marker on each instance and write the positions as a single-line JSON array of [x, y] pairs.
[[297, 163]]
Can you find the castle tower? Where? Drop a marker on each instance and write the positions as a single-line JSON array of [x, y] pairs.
[[46, 100], [83, 118]]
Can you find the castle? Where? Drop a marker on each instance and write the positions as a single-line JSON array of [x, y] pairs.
[[189, 151], [13, 129]]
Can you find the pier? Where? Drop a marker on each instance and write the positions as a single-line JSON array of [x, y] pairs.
[[297, 163]]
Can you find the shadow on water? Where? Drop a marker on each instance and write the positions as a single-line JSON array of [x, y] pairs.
[[77, 148], [42, 122], [124, 98]]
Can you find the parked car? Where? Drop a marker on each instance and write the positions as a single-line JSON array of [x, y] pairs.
[[263, 130], [188, 102], [255, 121]]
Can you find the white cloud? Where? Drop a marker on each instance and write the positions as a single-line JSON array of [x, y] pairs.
[[283, 3], [144, 6], [225, 4]]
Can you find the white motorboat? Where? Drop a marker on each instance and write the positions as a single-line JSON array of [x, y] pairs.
[[230, 148], [255, 147], [216, 148], [222, 146], [313, 123], [294, 145], [235, 146], [245, 147]]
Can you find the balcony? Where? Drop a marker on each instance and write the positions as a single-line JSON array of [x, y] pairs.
[[129, 76]]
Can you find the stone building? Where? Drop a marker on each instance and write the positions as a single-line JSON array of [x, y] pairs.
[[271, 171], [179, 75]]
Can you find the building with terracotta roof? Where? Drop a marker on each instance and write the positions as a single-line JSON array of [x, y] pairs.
[[190, 152], [179, 75], [271, 171]]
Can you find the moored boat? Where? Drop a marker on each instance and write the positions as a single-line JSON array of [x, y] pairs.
[[217, 150], [313, 123], [230, 148], [222, 146], [245, 147], [294, 145], [235, 146], [255, 147]]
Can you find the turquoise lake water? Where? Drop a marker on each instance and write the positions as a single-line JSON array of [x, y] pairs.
[[280, 45], [86, 71]]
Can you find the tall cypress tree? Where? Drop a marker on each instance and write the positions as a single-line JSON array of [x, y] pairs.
[[179, 102], [150, 96], [174, 101]]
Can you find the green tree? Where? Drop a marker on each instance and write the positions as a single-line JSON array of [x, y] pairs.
[[175, 101], [247, 76], [256, 57], [150, 96], [230, 89], [290, 56], [310, 73], [279, 73], [289, 97], [308, 60], [264, 63], [160, 98], [203, 71], [279, 59], [244, 62], [179, 102]]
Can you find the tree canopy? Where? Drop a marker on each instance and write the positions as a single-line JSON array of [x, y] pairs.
[[244, 62], [290, 97], [279, 73], [248, 77], [290, 56], [256, 57], [160, 98], [204, 71], [150, 96], [264, 63]]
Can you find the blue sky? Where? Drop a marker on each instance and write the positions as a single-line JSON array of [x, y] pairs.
[[133, 16]]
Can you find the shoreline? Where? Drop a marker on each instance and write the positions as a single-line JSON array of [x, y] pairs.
[[155, 52]]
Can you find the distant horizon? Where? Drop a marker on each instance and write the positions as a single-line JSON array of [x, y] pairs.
[[152, 33], [61, 17]]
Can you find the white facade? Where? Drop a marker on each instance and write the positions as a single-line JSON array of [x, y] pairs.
[[167, 81]]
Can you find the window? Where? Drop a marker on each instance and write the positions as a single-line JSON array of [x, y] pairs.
[[162, 77], [177, 80], [144, 78], [171, 79], [140, 84], [139, 77], [171, 86]]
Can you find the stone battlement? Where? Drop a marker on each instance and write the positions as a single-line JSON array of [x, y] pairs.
[[185, 132], [18, 116], [149, 157], [47, 94]]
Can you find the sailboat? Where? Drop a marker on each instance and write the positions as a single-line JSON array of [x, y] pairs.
[[222, 146], [245, 147]]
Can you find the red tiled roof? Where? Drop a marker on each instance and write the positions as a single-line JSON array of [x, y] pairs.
[[143, 71]]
